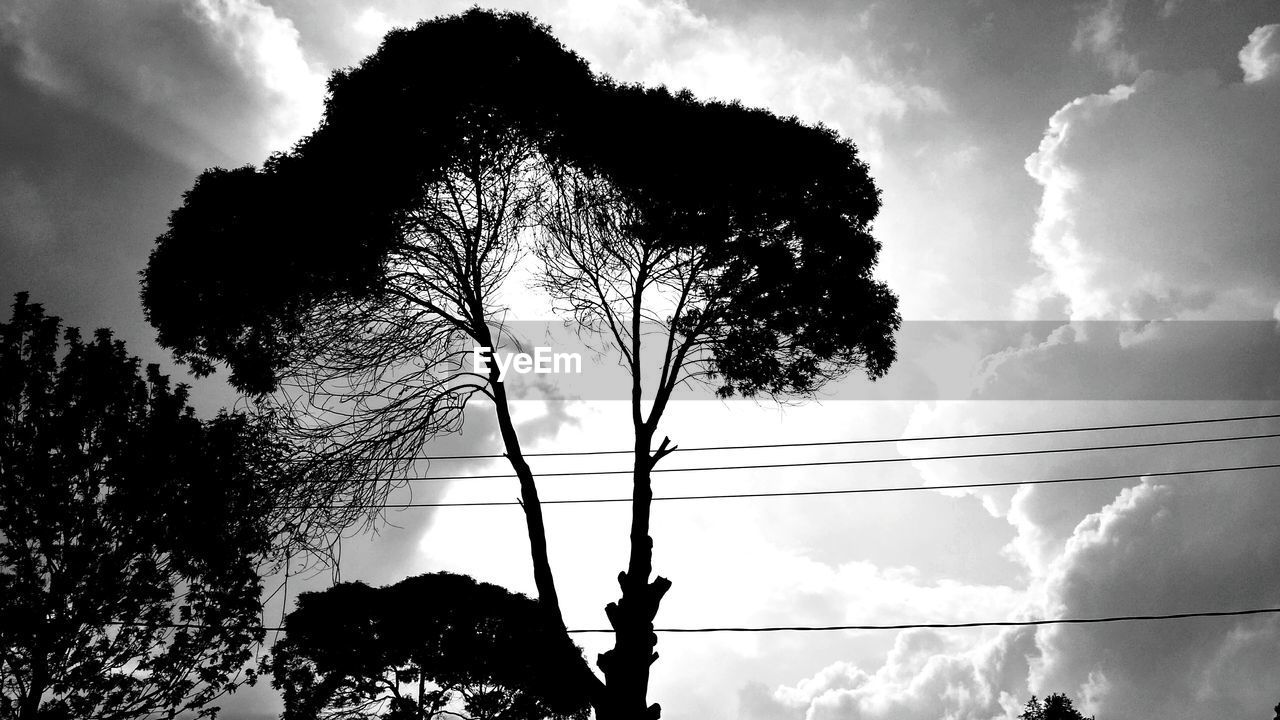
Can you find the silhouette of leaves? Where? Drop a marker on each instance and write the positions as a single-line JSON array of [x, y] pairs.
[[118, 504], [426, 643]]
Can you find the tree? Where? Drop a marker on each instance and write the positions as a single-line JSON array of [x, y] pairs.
[[1277, 717], [130, 532], [421, 647], [736, 242], [1055, 707], [744, 236], [351, 277]]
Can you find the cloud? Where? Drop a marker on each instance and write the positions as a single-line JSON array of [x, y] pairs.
[[1158, 197], [925, 675], [204, 81], [666, 42], [1260, 59], [110, 109], [1099, 32], [1165, 547], [1156, 546], [372, 23]]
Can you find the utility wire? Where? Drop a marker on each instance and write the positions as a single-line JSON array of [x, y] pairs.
[[828, 443], [994, 623], [822, 463], [805, 493], [828, 628]]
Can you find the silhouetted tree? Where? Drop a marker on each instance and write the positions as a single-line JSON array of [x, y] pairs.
[[425, 647], [351, 277], [1055, 707], [712, 242], [1277, 717], [345, 281], [122, 515]]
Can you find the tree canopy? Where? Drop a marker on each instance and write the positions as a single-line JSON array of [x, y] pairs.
[[778, 212], [751, 233], [252, 252], [130, 532], [422, 646]]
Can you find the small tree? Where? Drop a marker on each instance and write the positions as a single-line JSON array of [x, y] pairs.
[[1277, 717], [1055, 707], [130, 533], [426, 647]]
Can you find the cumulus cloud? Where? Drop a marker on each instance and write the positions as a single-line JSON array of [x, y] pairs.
[[1157, 203], [1163, 547], [1260, 59], [926, 675], [204, 81], [1158, 197], [1156, 546]]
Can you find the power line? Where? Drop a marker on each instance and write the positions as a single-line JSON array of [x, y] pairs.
[[830, 628], [828, 443], [995, 623], [805, 493], [825, 463]]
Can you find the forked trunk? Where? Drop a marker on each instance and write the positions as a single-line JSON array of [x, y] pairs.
[[623, 694]]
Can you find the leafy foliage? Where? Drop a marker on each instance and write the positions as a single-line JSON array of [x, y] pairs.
[[344, 282], [778, 213], [118, 504], [1054, 707], [758, 226], [252, 252], [420, 646]]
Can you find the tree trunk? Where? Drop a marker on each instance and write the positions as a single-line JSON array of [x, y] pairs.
[[29, 708], [543, 578], [626, 666], [623, 694], [422, 690]]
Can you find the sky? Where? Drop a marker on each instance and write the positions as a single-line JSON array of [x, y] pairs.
[[1066, 163]]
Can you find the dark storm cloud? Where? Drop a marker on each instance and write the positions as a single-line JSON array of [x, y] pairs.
[[110, 110], [80, 202], [205, 81]]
